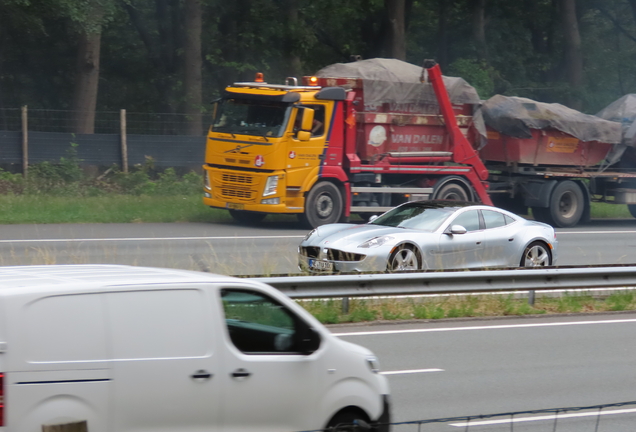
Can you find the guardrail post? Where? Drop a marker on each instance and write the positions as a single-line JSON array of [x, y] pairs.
[[531, 297], [79, 426], [345, 305], [124, 140], [25, 142]]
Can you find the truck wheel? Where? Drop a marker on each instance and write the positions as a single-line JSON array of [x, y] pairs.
[[452, 192], [566, 204], [247, 218], [323, 205], [632, 209], [405, 257]]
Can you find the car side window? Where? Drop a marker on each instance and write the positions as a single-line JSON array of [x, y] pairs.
[[258, 324], [469, 220], [493, 219]]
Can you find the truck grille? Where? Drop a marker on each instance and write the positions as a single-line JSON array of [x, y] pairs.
[[236, 193], [237, 178]]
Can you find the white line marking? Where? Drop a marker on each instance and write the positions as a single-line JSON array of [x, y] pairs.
[[494, 327], [146, 239], [541, 418], [594, 232], [412, 371]]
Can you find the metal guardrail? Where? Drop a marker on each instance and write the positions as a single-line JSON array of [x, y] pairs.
[[461, 282]]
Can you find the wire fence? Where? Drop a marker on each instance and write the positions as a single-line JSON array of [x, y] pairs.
[[594, 418], [106, 122]]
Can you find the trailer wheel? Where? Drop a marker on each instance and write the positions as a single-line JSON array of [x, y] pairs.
[[566, 204], [632, 209], [247, 218], [452, 192], [323, 205]]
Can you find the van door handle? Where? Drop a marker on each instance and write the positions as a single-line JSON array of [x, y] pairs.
[[201, 374], [241, 373]]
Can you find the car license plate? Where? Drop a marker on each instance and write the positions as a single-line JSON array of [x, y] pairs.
[[320, 265], [235, 206]]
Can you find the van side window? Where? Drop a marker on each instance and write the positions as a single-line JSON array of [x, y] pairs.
[[258, 324]]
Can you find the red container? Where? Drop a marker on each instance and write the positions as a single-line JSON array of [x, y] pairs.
[[546, 147]]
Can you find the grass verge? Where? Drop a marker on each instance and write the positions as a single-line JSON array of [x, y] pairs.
[[434, 308]]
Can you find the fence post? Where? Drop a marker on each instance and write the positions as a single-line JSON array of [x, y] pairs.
[[124, 142], [79, 426], [25, 142]]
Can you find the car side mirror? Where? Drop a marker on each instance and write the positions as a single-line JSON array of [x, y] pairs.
[[372, 218], [457, 229], [309, 341]]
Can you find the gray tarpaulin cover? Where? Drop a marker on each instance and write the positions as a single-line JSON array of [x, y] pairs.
[[622, 111], [516, 116], [395, 81]]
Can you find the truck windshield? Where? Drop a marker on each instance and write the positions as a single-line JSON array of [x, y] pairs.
[[248, 117]]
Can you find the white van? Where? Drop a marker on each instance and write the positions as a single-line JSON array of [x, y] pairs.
[[147, 349]]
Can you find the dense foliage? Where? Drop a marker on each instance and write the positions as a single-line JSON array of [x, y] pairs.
[[525, 47]]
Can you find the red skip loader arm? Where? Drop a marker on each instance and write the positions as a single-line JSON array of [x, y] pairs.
[[463, 152]]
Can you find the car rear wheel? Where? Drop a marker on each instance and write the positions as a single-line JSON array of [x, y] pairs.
[[405, 257], [537, 254]]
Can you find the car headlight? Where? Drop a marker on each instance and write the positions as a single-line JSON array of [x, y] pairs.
[[309, 234], [271, 186], [375, 242], [373, 363]]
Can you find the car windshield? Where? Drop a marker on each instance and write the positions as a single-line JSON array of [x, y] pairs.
[[415, 217], [248, 117]]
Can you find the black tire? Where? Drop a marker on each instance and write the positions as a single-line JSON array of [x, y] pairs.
[[323, 205], [247, 218], [566, 204], [632, 209], [345, 422], [537, 254], [404, 258], [452, 192]]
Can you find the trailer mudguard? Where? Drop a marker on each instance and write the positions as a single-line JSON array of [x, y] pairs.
[[537, 193]]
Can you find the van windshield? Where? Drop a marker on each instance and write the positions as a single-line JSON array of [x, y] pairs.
[[249, 117]]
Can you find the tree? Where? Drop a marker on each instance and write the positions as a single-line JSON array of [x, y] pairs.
[[397, 28], [193, 64], [572, 52]]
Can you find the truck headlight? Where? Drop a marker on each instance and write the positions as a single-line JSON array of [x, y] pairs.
[[206, 180], [271, 186]]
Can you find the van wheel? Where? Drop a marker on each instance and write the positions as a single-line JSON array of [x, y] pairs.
[[348, 421]]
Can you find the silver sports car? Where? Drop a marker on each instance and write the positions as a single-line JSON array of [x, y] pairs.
[[423, 235]]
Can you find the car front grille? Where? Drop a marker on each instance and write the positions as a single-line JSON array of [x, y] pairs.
[[332, 254]]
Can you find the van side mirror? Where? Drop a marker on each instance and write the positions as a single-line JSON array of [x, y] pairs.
[[309, 341]]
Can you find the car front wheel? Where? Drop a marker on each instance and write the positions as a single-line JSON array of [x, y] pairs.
[[405, 257]]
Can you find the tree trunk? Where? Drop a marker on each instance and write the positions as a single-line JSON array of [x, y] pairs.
[[293, 58], [397, 32], [87, 73], [442, 33], [573, 53], [479, 28], [193, 66]]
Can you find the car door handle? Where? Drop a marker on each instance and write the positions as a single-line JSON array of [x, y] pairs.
[[240, 373], [201, 374]]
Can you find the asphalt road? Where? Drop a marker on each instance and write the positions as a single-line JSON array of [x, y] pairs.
[[228, 248], [476, 367]]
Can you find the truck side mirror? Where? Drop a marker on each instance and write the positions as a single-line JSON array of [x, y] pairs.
[[308, 120], [303, 135]]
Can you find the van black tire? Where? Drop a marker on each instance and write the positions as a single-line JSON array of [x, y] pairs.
[[345, 422]]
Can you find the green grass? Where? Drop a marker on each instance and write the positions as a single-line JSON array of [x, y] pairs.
[[435, 308]]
